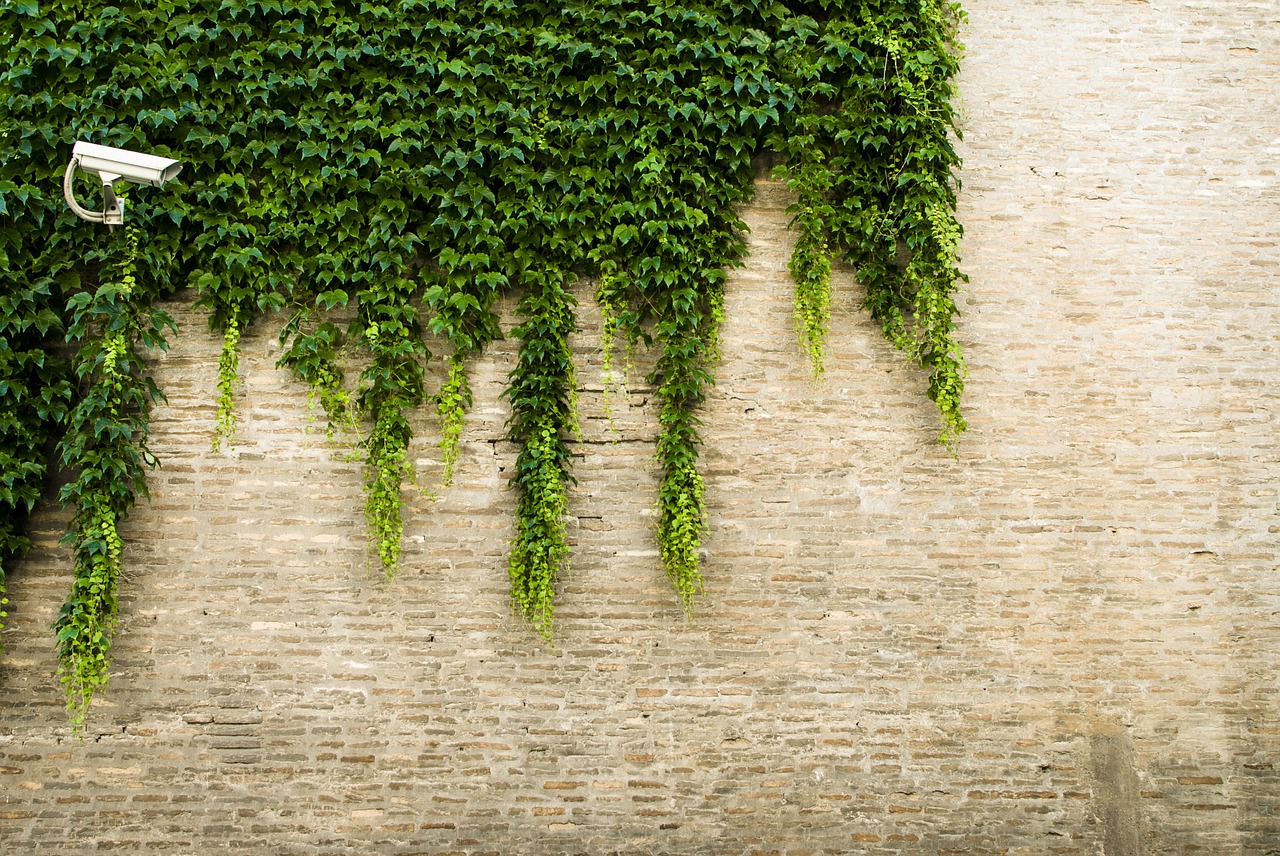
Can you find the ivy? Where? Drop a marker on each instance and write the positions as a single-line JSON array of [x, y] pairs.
[[539, 548], [810, 263], [609, 317], [391, 387], [389, 171], [35, 392], [387, 468], [228, 368], [105, 443], [870, 156], [542, 417], [681, 378], [315, 358], [451, 407]]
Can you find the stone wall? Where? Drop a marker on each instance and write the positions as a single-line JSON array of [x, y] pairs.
[[1065, 641]]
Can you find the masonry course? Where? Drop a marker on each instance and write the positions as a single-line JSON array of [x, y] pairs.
[[1064, 641]]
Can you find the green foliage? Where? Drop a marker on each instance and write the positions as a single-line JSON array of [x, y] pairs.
[[870, 154], [451, 407], [810, 263], [390, 388], [228, 369], [541, 417], [56, 88], [673, 114], [540, 548], [387, 467], [682, 505], [609, 312], [682, 380], [403, 165], [87, 621], [315, 356], [35, 394], [105, 445]]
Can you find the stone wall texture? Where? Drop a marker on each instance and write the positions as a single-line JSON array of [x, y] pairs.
[[1066, 641]]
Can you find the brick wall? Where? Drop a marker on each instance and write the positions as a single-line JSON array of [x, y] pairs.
[[1064, 642]]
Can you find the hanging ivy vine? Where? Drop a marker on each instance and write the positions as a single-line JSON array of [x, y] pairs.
[[383, 171], [870, 155], [105, 442], [35, 384]]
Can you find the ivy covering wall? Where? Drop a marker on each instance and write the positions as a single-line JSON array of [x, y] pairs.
[[415, 162]]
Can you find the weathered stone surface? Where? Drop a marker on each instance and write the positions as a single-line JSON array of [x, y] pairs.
[[1063, 642]]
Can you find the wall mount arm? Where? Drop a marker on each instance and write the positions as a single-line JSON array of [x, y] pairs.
[[112, 214]]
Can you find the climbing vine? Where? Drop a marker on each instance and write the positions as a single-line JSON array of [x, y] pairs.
[[391, 387], [870, 155], [451, 407], [810, 263], [228, 368], [608, 339], [542, 418], [315, 357], [105, 443], [35, 392], [387, 172]]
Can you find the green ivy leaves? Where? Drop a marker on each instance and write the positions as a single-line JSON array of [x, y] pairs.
[[35, 395], [542, 417], [105, 444], [401, 166], [810, 263], [228, 371], [451, 407], [390, 388], [870, 156]]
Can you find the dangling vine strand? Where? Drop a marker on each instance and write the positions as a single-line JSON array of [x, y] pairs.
[[870, 154], [106, 443]]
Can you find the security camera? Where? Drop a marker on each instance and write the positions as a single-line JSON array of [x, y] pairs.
[[109, 165]]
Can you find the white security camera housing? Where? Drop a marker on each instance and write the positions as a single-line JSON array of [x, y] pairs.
[[137, 167], [111, 164]]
